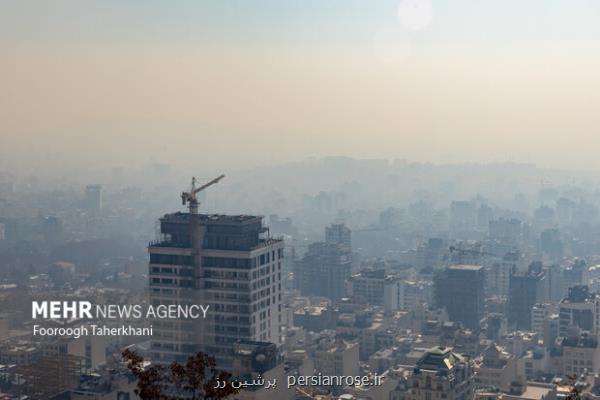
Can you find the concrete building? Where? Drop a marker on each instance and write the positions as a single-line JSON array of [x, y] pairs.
[[367, 286], [441, 373], [316, 318], [338, 234], [108, 385], [19, 353], [93, 198], [506, 231], [91, 349], [460, 290], [579, 309], [574, 273], [500, 272], [223, 261], [540, 313], [580, 354], [260, 360], [431, 253], [336, 357], [497, 369], [526, 290], [324, 270]]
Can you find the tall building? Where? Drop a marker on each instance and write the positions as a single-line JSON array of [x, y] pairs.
[[399, 294], [526, 290], [223, 261], [540, 313], [93, 197], [506, 231], [580, 309], [460, 289], [574, 273], [367, 286], [499, 274], [431, 254], [338, 234], [441, 374], [551, 244], [324, 270]]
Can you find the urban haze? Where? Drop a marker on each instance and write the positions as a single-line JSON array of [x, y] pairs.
[[368, 200]]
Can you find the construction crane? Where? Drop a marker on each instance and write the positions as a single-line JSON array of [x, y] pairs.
[[190, 197]]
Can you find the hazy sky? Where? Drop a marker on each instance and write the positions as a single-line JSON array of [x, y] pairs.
[[256, 82]]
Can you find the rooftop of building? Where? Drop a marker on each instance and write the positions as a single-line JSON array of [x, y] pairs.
[[584, 341], [181, 217], [579, 294], [535, 392], [439, 358]]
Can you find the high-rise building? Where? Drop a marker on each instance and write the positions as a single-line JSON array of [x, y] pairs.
[[460, 289], [338, 234], [431, 253], [506, 231], [551, 244], [399, 294], [574, 273], [367, 286], [498, 276], [580, 309], [441, 373], [222, 261], [526, 290], [540, 313], [93, 197], [324, 270]]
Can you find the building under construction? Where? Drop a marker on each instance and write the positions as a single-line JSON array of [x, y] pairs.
[[228, 262]]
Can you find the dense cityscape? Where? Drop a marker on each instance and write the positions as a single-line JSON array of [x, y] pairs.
[[430, 297], [294, 200]]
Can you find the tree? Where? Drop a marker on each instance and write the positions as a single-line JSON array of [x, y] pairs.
[[197, 379]]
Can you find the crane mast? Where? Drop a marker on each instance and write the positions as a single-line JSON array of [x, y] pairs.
[[190, 197]]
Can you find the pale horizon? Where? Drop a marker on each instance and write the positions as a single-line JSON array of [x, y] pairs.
[[116, 84]]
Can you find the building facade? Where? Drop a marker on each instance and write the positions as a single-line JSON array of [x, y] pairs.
[[222, 261], [460, 290]]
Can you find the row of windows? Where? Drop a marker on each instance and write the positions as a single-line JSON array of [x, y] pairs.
[[226, 285], [170, 259], [215, 274], [172, 271], [239, 263], [187, 283], [229, 262], [231, 297], [230, 308], [270, 256]]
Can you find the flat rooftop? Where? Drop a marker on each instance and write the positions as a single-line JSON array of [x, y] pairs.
[[181, 217]]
